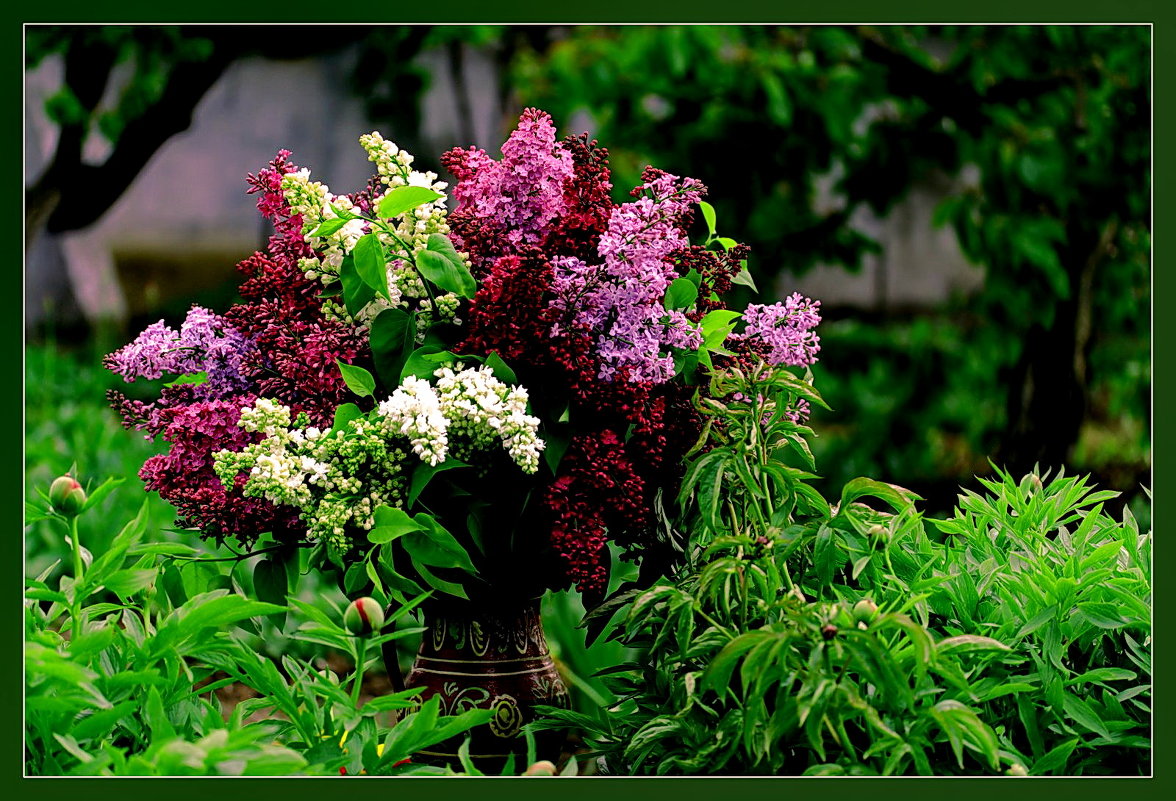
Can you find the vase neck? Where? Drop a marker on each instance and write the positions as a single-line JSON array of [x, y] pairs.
[[477, 631]]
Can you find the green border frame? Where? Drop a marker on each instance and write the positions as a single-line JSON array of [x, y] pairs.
[[1160, 13]]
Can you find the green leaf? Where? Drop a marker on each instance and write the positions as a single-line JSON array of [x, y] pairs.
[[371, 264], [1081, 712], [436, 583], [269, 580], [100, 723], [195, 379], [708, 214], [501, 370], [1055, 760], [681, 294], [451, 277], [965, 643], [393, 334], [727, 242], [436, 547], [356, 292], [357, 379], [156, 717], [400, 199], [557, 440], [716, 325], [423, 474], [1103, 674], [424, 361], [1103, 615], [344, 414], [125, 583], [744, 278], [390, 524], [328, 227]]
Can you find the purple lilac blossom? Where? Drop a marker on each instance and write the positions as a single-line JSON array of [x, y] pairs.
[[205, 343], [785, 330], [620, 300], [524, 191]]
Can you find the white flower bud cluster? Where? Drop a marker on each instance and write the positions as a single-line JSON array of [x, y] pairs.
[[395, 169], [468, 411], [313, 200], [443, 309], [335, 479], [414, 411], [483, 409]]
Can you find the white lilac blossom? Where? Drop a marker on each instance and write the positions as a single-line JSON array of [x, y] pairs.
[[395, 169], [481, 409], [315, 203], [620, 299], [414, 411], [337, 479]]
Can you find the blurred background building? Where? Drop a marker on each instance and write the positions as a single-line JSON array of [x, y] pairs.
[[971, 204]]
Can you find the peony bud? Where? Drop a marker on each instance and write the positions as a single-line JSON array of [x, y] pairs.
[[1016, 769], [364, 616], [864, 610], [540, 768], [828, 631], [67, 496]]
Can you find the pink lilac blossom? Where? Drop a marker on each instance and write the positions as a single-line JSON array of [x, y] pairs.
[[524, 192], [620, 300], [783, 332], [206, 342]]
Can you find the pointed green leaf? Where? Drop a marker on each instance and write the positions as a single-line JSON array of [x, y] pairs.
[[357, 379], [371, 264], [400, 199]]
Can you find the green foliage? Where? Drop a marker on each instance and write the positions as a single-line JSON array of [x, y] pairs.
[[125, 686], [853, 638]]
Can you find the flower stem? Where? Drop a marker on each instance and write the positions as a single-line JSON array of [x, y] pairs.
[[77, 549], [358, 681]]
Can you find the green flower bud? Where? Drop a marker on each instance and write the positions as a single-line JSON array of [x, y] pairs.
[[67, 496], [1016, 769], [364, 616], [864, 610]]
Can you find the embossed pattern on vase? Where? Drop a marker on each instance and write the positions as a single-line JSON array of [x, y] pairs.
[[486, 659]]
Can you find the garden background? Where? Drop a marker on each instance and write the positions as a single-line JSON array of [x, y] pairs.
[[970, 204]]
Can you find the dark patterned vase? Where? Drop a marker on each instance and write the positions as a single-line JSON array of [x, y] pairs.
[[479, 657]]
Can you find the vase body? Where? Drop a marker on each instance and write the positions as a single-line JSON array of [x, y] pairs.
[[489, 657]]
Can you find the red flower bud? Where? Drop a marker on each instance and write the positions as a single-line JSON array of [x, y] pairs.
[[364, 616], [67, 496]]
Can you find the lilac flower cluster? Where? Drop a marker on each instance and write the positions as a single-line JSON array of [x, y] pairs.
[[783, 332], [206, 342], [620, 300], [524, 192]]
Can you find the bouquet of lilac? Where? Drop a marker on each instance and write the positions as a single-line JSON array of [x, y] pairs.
[[476, 401]]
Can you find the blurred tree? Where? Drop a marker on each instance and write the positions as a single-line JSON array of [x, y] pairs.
[[137, 110], [1055, 118]]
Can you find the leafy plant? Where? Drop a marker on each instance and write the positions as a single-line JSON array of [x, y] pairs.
[[804, 637], [126, 686]]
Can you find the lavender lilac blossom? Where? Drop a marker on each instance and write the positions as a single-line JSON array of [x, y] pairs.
[[620, 299], [784, 331], [206, 343]]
